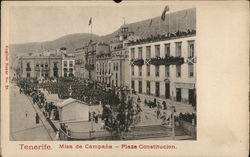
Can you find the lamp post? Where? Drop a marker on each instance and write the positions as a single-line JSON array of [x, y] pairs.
[[92, 125], [173, 122]]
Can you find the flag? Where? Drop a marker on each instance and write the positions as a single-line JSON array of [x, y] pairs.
[[164, 12], [150, 23], [90, 21]]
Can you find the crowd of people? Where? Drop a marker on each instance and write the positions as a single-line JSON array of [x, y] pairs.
[[31, 89], [119, 110]]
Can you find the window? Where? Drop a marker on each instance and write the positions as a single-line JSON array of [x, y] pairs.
[[117, 67], [148, 88], [70, 63], [148, 52], [28, 75], [140, 86], [157, 50], [65, 63], [28, 65], [37, 65], [140, 53], [178, 70], [133, 84], [55, 64], [132, 53], [116, 76], [157, 71], [190, 70], [41, 65], [167, 90], [157, 89], [65, 75], [140, 70], [178, 49], [190, 48], [132, 70], [167, 71], [46, 65], [109, 67], [148, 70], [55, 73], [167, 50]]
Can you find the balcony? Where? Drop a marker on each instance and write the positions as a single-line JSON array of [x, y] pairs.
[[166, 61], [137, 62], [89, 66]]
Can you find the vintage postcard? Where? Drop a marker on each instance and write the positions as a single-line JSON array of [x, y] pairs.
[[130, 79]]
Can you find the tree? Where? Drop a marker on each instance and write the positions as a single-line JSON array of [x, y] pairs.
[[120, 114]]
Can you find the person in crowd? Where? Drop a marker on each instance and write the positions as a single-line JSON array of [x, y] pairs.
[[37, 118]]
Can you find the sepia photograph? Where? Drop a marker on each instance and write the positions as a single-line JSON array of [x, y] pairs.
[[135, 78], [103, 73]]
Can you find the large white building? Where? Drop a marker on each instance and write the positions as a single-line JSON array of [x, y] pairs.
[[165, 67]]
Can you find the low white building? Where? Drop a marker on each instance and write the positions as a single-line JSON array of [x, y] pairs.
[[75, 110]]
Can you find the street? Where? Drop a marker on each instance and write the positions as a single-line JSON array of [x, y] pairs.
[[23, 126]]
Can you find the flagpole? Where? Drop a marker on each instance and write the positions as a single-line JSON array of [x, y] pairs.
[[91, 29], [169, 23]]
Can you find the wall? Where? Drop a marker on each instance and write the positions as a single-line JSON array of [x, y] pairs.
[[81, 112]]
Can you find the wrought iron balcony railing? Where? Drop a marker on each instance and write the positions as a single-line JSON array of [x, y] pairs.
[[137, 62], [166, 61]]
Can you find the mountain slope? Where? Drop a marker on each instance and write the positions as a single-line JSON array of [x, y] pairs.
[[180, 20], [69, 41]]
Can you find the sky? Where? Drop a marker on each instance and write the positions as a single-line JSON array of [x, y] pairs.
[[45, 23]]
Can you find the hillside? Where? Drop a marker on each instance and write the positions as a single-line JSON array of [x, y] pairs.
[[70, 41], [181, 20]]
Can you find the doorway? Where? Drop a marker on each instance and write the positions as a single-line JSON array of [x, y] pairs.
[[178, 94]]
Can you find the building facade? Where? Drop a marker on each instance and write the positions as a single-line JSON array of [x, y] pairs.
[[91, 51], [165, 67], [103, 68], [68, 66], [68, 63], [120, 60], [79, 62], [40, 66]]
